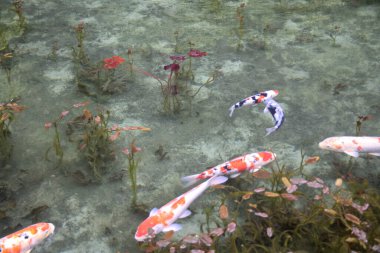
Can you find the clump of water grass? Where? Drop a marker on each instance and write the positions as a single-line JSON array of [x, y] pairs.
[[179, 86], [92, 135], [18, 8], [101, 77], [7, 116]]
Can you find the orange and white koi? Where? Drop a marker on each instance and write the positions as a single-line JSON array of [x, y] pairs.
[[250, 162], [24, 240], [352, 145], [162, 220], [254, 100]]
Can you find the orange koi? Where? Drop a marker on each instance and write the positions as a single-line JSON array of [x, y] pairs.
[[251, 162], [24, 240], [162, 220]]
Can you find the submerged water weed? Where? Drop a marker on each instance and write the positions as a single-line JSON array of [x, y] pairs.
[[7, 116], [93, 137], [177, 88], [133, 163], [333, 33], [6, 59], [94, 78], [290, 212], [19, 10], [240, 18]]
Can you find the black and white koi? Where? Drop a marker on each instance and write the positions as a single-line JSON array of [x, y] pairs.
[[277, 113], [254, 99]]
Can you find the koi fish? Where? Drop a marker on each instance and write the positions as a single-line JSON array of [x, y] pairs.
[[163, 219], [352, 145], [24, 240], [250, 162], [277, 113], [254, 100]]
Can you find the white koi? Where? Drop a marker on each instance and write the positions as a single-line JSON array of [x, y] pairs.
[[254, 100], [277, 113], [352, 145], [163, 219]]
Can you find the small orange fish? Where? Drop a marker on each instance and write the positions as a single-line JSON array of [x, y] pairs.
[[312, 160]]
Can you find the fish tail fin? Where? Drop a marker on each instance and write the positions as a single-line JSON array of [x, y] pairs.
[[217, 180], [189, 180], [231, 110], [270, 130]]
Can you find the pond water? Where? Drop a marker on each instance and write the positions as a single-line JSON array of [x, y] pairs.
[[322, 57]]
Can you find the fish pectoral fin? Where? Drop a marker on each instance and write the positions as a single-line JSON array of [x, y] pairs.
[[153, 211], [235, 175], [173, 227], [185, 214], [352, 153], [255, 169], [266, 110], [376, 154], [231, 110]]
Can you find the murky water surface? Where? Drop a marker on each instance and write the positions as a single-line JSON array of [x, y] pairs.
[[322, 56]]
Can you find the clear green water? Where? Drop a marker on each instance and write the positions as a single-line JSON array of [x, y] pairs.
[[324, 82]]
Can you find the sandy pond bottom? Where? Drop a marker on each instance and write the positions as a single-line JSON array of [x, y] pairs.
[[322, 56]]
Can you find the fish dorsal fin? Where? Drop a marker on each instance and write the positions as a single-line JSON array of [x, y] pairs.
[[352, 153], [173, 227], [153, 211], [376, 154], [185, 213]]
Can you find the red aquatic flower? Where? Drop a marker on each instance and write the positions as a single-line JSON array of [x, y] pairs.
[[113, 62], [177, 57], [196, 53], [173, 67]]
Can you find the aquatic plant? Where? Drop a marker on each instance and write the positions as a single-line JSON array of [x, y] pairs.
[[93, 137], [6, 57], [132, 169], [7, 116], [57, 145], [359, 121], [19, 10], [100, 77], [240, 18], [176, 88], [333, 33], [79, 53], [288, 212]]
